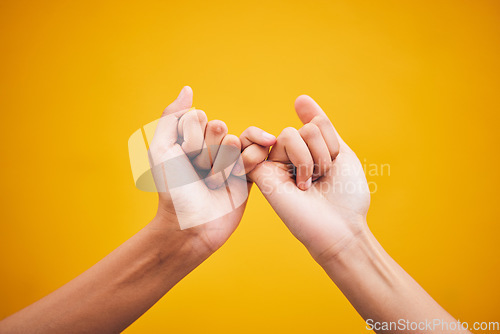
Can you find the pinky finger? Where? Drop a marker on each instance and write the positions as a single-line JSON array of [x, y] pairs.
[[254, 135], [250, 158]]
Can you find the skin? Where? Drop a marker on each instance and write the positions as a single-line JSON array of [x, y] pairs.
[[328, 216], [324, 204], [116, 291]]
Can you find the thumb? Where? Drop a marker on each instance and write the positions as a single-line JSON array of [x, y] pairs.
[[307, 108], [308, 111], [183, 101], [165, 133]]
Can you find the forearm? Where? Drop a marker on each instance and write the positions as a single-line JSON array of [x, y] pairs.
[[379, 288], [117, 290]]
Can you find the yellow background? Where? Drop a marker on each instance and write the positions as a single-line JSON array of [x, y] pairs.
[[412, 84]]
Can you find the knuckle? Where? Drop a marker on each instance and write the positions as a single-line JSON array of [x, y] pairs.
[[187, 118], [254, 155], [231, 140], [252, 129], [309, 131], [288, 133], [248, 132], [321, 120], [201, 116], [289, 130], [217, 126]]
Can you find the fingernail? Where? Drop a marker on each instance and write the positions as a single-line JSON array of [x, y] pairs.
[[306, 185], [309, 183], [268, 136]]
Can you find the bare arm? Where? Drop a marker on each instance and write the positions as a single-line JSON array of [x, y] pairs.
[[120, 288], [382, 292], [117, 290], [325, 207]]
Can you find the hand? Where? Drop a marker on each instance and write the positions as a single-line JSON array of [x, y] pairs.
[[192, 161], [326, 203]]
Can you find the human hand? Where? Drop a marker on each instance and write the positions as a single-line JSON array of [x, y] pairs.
[[192, 162], [325, 206]]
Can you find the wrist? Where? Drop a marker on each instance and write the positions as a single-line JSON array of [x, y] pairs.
[[354, 239], [172, 242], [361, 257]]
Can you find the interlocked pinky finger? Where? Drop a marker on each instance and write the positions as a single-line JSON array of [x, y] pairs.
[[250, 158]]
